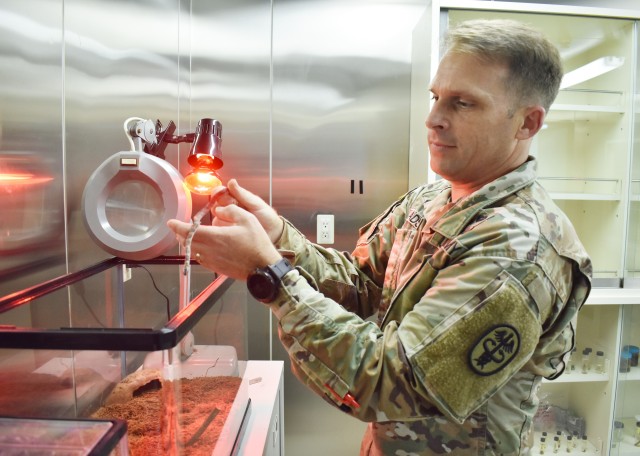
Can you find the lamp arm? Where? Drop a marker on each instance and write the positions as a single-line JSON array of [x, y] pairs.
[[189, 137], [164, 137], [160, 145], [204, 156]]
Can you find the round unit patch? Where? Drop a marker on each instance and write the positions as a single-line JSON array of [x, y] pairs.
[[494, 350]]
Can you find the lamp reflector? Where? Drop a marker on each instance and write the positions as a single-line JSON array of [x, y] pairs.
[[207, 145]]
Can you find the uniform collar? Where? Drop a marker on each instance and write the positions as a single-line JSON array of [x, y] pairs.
[[453, 221]]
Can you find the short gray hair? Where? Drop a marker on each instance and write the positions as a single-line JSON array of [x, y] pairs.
[[534, 62]]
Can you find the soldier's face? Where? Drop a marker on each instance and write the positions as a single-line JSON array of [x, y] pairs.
[[473, 126]]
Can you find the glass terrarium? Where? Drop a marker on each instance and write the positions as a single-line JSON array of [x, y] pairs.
[[49, 436], [153, 343]]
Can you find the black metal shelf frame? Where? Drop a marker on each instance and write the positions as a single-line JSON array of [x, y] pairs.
[[118, 339]]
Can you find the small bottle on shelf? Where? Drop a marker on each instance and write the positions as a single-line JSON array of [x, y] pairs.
[[571, 362], [586, 360], [556, 444], [543, 445], [633, 350], [625, 362], [618, 432], [585, 443], [599, 364], [569, 443]]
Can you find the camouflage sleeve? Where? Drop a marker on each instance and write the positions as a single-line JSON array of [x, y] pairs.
[[353, 280], [333, 351], [406, 371]]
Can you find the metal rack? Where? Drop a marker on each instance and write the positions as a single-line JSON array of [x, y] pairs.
[[120, 338]]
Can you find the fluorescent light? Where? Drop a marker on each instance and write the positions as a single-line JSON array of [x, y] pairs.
[[591, 70]]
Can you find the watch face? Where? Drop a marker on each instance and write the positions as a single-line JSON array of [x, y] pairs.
[[261, 285]]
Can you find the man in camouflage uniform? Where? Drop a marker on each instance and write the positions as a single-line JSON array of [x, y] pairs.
[[475, 280]]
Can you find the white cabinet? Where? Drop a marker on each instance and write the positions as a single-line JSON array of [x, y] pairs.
[[579, 404], [609, 402], [264, 431], [589, 162], [627, 400], [584, 148]]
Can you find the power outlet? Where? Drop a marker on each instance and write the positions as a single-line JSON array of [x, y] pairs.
[[324, 229]]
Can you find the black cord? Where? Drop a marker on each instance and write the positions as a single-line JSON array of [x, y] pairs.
[[166, 298], [80, 290]]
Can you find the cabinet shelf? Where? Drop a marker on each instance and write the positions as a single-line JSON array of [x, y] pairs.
[[582, 188], [579, 377], [584, 196], [577, 112], [581, 447], [627, 449], [586, 108], [633, 374], [613, 296]]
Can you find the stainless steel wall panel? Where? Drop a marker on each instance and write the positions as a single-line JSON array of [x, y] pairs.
[[341, 105], [32, 243], [230, 81], [121, 61], [73, 71], [341, 109]]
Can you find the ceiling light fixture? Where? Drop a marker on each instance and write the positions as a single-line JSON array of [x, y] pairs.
[[591, 70]]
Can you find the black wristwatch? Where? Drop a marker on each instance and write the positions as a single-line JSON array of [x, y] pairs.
[[263, 283]]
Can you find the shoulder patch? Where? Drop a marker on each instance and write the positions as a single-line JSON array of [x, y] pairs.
[[477, 352], [494, 350]]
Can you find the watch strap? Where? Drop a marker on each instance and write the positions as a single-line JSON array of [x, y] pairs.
[[280, 268]]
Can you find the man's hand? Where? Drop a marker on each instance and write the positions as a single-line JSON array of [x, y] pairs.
[[235, 243], [265, 214]]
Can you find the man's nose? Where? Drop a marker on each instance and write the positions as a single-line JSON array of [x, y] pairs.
[[435, 118]]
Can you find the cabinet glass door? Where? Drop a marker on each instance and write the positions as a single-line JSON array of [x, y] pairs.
[[632, 269], [589, 162], [626, 427], [583, 150], [625, 440]]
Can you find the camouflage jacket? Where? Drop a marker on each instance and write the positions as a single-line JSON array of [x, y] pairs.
[[439, 326]]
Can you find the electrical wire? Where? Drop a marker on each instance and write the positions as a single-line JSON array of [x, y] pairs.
[[81, 292], [166, 298]]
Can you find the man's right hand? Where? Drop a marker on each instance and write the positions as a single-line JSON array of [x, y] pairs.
[[266, 215]]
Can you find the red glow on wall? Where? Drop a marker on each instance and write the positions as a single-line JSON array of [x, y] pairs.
[[11, 179]]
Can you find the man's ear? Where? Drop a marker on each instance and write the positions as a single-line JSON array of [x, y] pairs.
[[532, 121]]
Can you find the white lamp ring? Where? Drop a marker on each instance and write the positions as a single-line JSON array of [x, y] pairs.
[[127, 202]]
